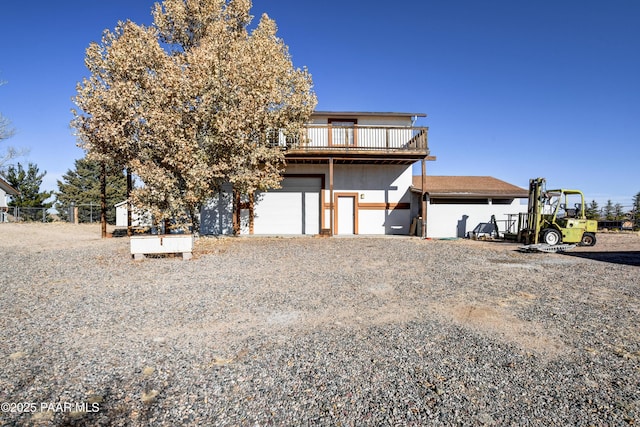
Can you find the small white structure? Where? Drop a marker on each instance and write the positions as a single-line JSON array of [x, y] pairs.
[[138, 218], [5, 190], [457, 204]]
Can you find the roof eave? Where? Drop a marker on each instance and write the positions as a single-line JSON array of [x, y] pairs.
[[449, 195], [366, 113], [8, 188]]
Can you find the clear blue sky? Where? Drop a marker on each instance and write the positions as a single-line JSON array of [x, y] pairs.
[[512, 89]]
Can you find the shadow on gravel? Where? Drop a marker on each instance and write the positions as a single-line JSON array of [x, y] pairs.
[[617, 257]]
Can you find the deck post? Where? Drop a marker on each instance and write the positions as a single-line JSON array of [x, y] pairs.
[[423, 200], [331, 196]]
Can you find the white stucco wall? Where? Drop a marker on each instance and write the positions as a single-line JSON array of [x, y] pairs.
[[374, 186], [215, 215], [3, 199], [368, 120], [455, 220]]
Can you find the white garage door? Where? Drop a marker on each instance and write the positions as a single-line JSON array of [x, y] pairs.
[[292, 209]]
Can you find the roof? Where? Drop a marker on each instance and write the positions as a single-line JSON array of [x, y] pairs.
[[468, 187], [4, 185], [365, 113]]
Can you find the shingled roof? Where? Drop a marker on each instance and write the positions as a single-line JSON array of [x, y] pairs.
[[4, 185], [468, 186]]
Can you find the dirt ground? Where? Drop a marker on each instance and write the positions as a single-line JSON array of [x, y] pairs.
[[615, 247], [560, 327], [614, 244]]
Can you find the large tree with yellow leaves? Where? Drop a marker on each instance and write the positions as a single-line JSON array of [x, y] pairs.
[[188, 103]]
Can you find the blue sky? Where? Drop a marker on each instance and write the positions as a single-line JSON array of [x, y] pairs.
[[512, 89]]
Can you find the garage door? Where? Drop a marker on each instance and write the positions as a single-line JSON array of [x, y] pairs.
[[292, 209]]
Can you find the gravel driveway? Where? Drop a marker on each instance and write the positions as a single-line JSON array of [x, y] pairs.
[[316, 331]]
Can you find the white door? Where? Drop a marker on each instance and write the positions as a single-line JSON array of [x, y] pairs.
[[278, 213], [292, 209], [346, 214], [311, 209]]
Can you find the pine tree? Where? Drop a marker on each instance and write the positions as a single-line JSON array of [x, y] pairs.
[[593, 210], [618, 212], [609, 211], [28, 183], [81, 187], [636, 211]]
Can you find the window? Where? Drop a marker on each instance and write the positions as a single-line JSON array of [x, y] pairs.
[[343, 132]]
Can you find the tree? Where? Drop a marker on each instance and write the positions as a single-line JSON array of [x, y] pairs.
[[6, 132], [593, 210], [28, 184], [81, 186], [635, 211], [609, 211], [191, 103], [618, 212], [5, 126]]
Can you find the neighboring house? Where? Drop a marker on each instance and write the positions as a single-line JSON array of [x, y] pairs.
[[351, 173], [457, 204], [5, 190]]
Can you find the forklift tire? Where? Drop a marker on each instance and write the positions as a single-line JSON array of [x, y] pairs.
[[551, 236], [588, 239]]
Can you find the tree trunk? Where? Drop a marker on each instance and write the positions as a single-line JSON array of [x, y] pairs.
[[236, 212], [129, 188], [103, 199], [195, 220]]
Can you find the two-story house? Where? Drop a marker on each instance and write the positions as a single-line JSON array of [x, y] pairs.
[[350, 173]]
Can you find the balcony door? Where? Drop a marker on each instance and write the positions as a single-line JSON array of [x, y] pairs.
[[343, 132]]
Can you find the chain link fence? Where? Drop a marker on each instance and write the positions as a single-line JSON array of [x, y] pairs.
[[20, 214], [86, 213]]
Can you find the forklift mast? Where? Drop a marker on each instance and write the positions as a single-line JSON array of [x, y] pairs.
[[531, 230]]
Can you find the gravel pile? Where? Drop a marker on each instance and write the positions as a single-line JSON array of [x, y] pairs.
[[315, 331]]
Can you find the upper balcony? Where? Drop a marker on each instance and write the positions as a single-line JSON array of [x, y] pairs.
[[357, 143]]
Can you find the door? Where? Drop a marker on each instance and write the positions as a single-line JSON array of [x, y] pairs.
[[343, 132], [346, 212], [292, 209]]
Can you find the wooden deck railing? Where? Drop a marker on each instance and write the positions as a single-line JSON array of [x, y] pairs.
[[318, 138]]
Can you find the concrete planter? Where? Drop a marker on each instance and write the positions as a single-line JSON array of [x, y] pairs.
[[162, 244]]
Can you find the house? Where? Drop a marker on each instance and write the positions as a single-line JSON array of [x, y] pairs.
[[457, 204], [350, 173], [5, 190]]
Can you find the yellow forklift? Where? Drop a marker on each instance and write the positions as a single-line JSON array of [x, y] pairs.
[[555, 219]]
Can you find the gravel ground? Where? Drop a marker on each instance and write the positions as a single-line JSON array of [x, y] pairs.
[[316, 331]]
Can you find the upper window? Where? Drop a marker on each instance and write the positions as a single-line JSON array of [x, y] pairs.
[[343, 131]]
